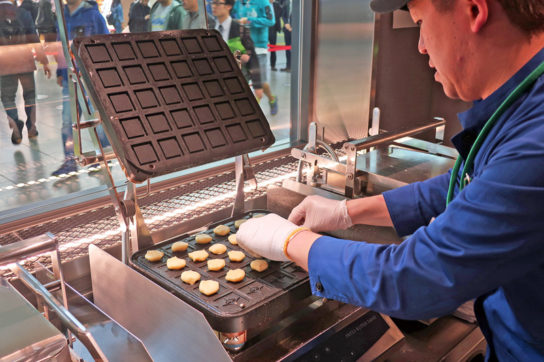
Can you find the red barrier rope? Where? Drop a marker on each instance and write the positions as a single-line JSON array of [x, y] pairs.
[[277, 48]]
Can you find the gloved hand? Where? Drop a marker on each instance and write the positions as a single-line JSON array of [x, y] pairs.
[[266, 236], [321, 214]]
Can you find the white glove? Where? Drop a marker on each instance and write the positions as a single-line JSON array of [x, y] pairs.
[[321, 214], [266, 236]]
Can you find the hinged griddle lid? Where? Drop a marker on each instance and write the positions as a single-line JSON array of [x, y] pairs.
[[171, 100]]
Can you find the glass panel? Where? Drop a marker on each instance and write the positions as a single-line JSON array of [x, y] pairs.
[[37, 108], [344, 66]]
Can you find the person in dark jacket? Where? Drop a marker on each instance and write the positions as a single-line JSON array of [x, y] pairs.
[[286, 16], [273, 32], [46, 21], [82, 19], [17, 39], [117, 13], [138, 16], [237, 38], [166, 15], [31, 7]]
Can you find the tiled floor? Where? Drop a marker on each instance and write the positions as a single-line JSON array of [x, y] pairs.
[[25, 169]]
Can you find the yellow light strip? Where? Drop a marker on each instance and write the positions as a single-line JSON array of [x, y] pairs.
[[54, 178]]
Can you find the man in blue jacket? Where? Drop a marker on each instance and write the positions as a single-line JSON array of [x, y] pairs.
[[258, 15], [486, 238], [82, 19]]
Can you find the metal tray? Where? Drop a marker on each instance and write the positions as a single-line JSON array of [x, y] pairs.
[[170, 100], [259, 299]]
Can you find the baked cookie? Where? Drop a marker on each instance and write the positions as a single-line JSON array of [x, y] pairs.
[[190, 277], [198, 255], [221, 230], [237, 223], [179, 246], [259, 265], [216, 264], [154, 255], [236, 255], [235, 275], [175, 263], [232, 239], [218, 249], [203, 239], [208, 287]]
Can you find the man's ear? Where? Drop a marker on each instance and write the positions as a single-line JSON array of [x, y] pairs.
[[479, 13]]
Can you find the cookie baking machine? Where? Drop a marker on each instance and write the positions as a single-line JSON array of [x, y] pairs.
[[173, 100]]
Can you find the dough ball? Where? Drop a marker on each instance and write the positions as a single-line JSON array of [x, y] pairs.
[[237, 223], [235, 275], [216, 264], [154, 255], [175, 263], [218, 248], [208, 287], [179, 246], [236, 255], [190, 277], [203, 239], [221, 230], [198, 255], [232, 239], [259, 265]]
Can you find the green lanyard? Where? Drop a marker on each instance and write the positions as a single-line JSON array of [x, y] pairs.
[[469, 163]]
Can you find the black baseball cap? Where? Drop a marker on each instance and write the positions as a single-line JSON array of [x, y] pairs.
[[386, 6]]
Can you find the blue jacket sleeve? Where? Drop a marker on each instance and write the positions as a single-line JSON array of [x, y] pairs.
[[265, 17], [100, 24], [414, 205], [119, 13], [490, 235]]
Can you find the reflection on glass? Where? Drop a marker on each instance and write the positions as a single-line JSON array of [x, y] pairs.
[[38, 162]]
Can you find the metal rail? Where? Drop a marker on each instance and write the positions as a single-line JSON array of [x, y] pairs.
[[67, 319], [15, 252]]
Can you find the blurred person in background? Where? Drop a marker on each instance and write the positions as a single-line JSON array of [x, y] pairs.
[[258, 16], [273, 32], [117, 18], [138, 16], [194, 16], [166, 15], [82, 19], [238, 38], [287, 30], [31, 7], [18, 38], [46, 21]]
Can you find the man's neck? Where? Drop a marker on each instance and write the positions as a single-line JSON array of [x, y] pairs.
[[511, 61], [222, 18], [73, 7], [166, 3]]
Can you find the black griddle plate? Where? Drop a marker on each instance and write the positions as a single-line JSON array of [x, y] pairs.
[[257, 300], [171, 100]]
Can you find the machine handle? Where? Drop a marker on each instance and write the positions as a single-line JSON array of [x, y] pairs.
[[27, 248], [385, 137]]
